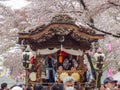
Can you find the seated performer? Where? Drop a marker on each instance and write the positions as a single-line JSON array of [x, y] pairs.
[[60, 68], [88, 77], [74, 66], [50, 72], [68, 62]]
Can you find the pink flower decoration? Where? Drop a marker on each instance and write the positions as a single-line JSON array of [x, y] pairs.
[[109, 74], [99, 49], [91, 53], [110, 47]]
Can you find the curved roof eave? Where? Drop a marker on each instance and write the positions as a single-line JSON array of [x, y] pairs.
[[75, 28]]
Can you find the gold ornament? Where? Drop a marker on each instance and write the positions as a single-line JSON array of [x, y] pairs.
[[75, 76], [63, 75]]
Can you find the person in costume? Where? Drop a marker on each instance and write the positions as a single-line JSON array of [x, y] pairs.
[[69, 62], [50, 71]]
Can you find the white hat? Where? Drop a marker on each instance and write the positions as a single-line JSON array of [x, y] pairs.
[[16, 88], [68, 79]]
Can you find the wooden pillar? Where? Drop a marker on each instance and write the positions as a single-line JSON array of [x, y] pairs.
[[81, 63], [80, 67], [38, 68]]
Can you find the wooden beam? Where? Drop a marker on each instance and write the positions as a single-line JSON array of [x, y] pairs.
[[75, 29]]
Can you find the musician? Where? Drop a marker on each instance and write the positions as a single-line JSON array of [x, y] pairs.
[[69, 62], [50, 71]]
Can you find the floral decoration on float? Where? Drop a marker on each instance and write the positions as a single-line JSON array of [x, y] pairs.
[[63, 75], [75, 76]]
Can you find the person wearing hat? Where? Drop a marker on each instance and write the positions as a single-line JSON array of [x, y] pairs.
[[16, 88], [109, 83]]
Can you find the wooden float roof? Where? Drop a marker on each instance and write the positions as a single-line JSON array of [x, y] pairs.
[[46, 36]]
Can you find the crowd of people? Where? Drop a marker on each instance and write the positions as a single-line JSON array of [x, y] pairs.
[[68, 84], [110, 84], [4, 86]]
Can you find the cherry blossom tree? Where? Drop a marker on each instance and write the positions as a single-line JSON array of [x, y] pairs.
[[101, 15]]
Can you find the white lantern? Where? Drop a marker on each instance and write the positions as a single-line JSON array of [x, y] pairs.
[[100, 58]]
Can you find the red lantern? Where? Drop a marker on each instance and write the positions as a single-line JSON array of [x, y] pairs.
[[61, 55], [60, 59]]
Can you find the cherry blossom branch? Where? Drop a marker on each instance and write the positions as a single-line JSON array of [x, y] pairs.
[[114, 35]]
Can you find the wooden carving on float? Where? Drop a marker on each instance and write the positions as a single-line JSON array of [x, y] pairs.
[[62, 19]]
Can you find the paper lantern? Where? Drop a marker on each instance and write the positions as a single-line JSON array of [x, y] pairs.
[[99, 57], [61, 55], [28, 58], [60, 59], [110, 47]]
